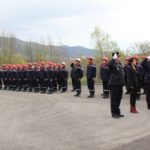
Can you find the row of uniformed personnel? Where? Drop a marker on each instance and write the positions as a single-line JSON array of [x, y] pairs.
[[34, 77]]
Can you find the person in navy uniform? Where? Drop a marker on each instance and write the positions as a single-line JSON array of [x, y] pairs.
[[116, 83], [133, 81], [50, 79], [19, 78], [146, 65], [72, 76], [143, 75], [14, 76], [24, 76], [30, 77], [59, 77], [78, 74], [1, 77], [91, 75], [10, 80], [55, 77], [125, 75], [5, 77], [35, 78], [105, 75], [64, 77], [43, 78]]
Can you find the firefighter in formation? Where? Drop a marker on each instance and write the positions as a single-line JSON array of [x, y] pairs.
[[42, 77]]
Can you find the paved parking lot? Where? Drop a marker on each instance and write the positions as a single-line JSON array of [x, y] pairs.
[[33, 121]]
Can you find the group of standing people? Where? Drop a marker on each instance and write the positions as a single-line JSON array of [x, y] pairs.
[[134, 75], [50, 77], [38, 77]]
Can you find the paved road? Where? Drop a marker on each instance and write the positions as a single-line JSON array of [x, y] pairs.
[[30, 121], [141, 144]]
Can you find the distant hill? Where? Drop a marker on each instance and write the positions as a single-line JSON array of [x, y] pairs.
[[71, 51], [76, 51]]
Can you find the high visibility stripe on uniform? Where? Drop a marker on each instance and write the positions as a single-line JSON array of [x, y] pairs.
[[106, 90], [64, 87], [92, 90], [92, 65], [78, 89]]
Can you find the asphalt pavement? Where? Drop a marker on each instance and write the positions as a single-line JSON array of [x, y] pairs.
[[34, 121]]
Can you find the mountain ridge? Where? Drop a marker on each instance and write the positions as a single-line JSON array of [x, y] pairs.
[[71, 51]]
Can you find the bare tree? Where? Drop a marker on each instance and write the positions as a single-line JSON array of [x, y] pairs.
[[103, 42], [7, 47], [29, 51], [141, 47]]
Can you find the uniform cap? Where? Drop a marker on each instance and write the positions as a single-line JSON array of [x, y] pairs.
[[78, 59], [42, 62], [90, 57], [63, 63]]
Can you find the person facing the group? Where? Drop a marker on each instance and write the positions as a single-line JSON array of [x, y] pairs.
[[116, 83], [91, 75]]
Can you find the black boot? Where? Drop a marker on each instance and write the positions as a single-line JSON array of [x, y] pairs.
[[43, 91], [49, 92], [91, 95], [30, 89], [119, 113], [105, 96], [24, 89], [36, 90], [78, 94]]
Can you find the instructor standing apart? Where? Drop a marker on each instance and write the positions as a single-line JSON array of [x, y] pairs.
[[116, 83]]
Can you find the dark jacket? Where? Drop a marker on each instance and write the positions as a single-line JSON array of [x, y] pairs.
[[1, 74], [146, 65], [50, 73], [78, 72], [104, 73], [63, 73], [43, 74], [91, 71], [116, 73], [5, 74], [125, 73], [72, 70], [133, 79]]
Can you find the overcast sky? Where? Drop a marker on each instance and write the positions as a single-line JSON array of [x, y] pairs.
[[71, 21]]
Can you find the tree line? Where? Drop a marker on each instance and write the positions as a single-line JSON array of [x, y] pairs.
[[14, 51]]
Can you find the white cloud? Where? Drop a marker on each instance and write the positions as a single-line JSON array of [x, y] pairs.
[[72, 21]]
